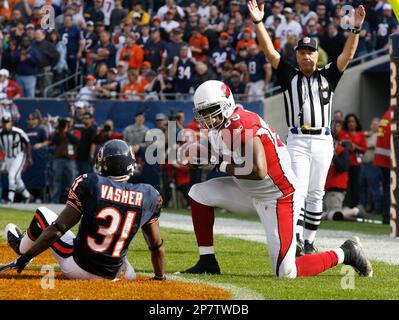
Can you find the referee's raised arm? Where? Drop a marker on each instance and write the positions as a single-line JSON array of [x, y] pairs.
[[265, 43], [353, 40]]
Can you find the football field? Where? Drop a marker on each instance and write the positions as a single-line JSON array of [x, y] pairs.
[[243, 258]]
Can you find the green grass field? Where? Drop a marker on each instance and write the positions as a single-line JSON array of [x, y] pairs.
[[245, 264]]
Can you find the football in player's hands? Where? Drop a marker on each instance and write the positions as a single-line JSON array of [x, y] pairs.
[[194, 153]]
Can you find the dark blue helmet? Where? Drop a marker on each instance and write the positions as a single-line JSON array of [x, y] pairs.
[[116, 160]]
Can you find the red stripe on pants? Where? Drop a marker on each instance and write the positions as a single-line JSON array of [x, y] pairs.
[[285, 224], [312, 264], [203, 219]]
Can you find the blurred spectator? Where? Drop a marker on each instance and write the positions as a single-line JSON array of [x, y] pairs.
[[61, 68], [84, 158], [107, 7], [104, 134], [110, 88], [183, 70], [50, 57], [204, 9], [73, 39], [121, 76], [172, 48], [64, 165], [9, 108], [154, 49], [382, 159], [88, 92], [333, 42], [144, 17], [132, 53], [209, 33], [215, 22], [260, 73], [336, 185], [290, 26], [133, 90], [247, 40], [117, 15], [370, 196], [134, 134], [387, 24], [39, 140], [68, 10], [170, 4], [101, 72], [354, 137], [90, 39], [237, 87], [199, 45], [322, 14], [95, 13], [169, 23], [24, 8], [364, 40], [154, 86], [306, 14], [30, 32], [277, 9], [144, 36], [203, 73], [5, 12], [224, 52], [104, 51], [27, 62], [8, 88]]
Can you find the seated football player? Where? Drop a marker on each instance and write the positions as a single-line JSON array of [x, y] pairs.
[[110, 211]]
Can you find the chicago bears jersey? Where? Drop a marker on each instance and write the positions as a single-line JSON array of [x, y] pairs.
[[241, 126], [112, 213]]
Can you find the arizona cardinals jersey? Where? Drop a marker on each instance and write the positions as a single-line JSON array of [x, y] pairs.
[[112, 213], [241, 126]]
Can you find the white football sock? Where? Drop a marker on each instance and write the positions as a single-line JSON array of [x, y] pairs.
[[26, 244], [340, 254], [206, 250]]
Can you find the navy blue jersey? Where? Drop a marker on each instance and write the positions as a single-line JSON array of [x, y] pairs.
[[37, 134], [184, 78], [256, 67], [90, 41], [71, 37], [153, 53], [221, 55], [112, 213], [110, 60], [385, 27]]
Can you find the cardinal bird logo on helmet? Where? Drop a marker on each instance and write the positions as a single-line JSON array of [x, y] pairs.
[[225, 90]]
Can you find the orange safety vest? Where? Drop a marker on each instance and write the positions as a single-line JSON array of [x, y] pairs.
[[382, 157]]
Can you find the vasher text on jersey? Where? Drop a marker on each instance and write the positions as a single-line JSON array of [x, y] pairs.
[[134, 198]]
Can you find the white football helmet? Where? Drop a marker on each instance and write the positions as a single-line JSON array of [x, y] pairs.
[[210, 94]]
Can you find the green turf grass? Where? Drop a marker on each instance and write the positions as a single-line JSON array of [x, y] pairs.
[[361, 227], [245, 264]]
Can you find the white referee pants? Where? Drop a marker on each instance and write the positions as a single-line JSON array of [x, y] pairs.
[[63, 249], [14, 168], [311, 157], [277, 216]]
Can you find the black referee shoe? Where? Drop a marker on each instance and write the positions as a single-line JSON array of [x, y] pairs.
[[354, 256], [309, 248], [206, 264], [299, 248]]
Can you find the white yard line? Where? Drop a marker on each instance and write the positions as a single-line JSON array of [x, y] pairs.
[[377, 247]]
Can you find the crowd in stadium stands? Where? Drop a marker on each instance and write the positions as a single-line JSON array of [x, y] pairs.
[[160, 49], [140, 50]]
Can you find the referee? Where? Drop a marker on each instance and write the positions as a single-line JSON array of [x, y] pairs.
[[308, 94], [16, 147]]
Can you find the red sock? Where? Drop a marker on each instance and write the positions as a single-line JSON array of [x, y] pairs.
[[312, 264], [203, 218]]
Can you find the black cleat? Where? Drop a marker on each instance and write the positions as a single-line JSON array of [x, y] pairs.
[[354, 256], [299, 248], [14, 237], [206, 264], [309, 248]]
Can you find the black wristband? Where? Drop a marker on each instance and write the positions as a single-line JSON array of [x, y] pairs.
[[355, 31], [155, 248], [257, 22]]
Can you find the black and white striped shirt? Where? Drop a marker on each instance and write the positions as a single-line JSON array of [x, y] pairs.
[[11, 142], [308, 100]]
